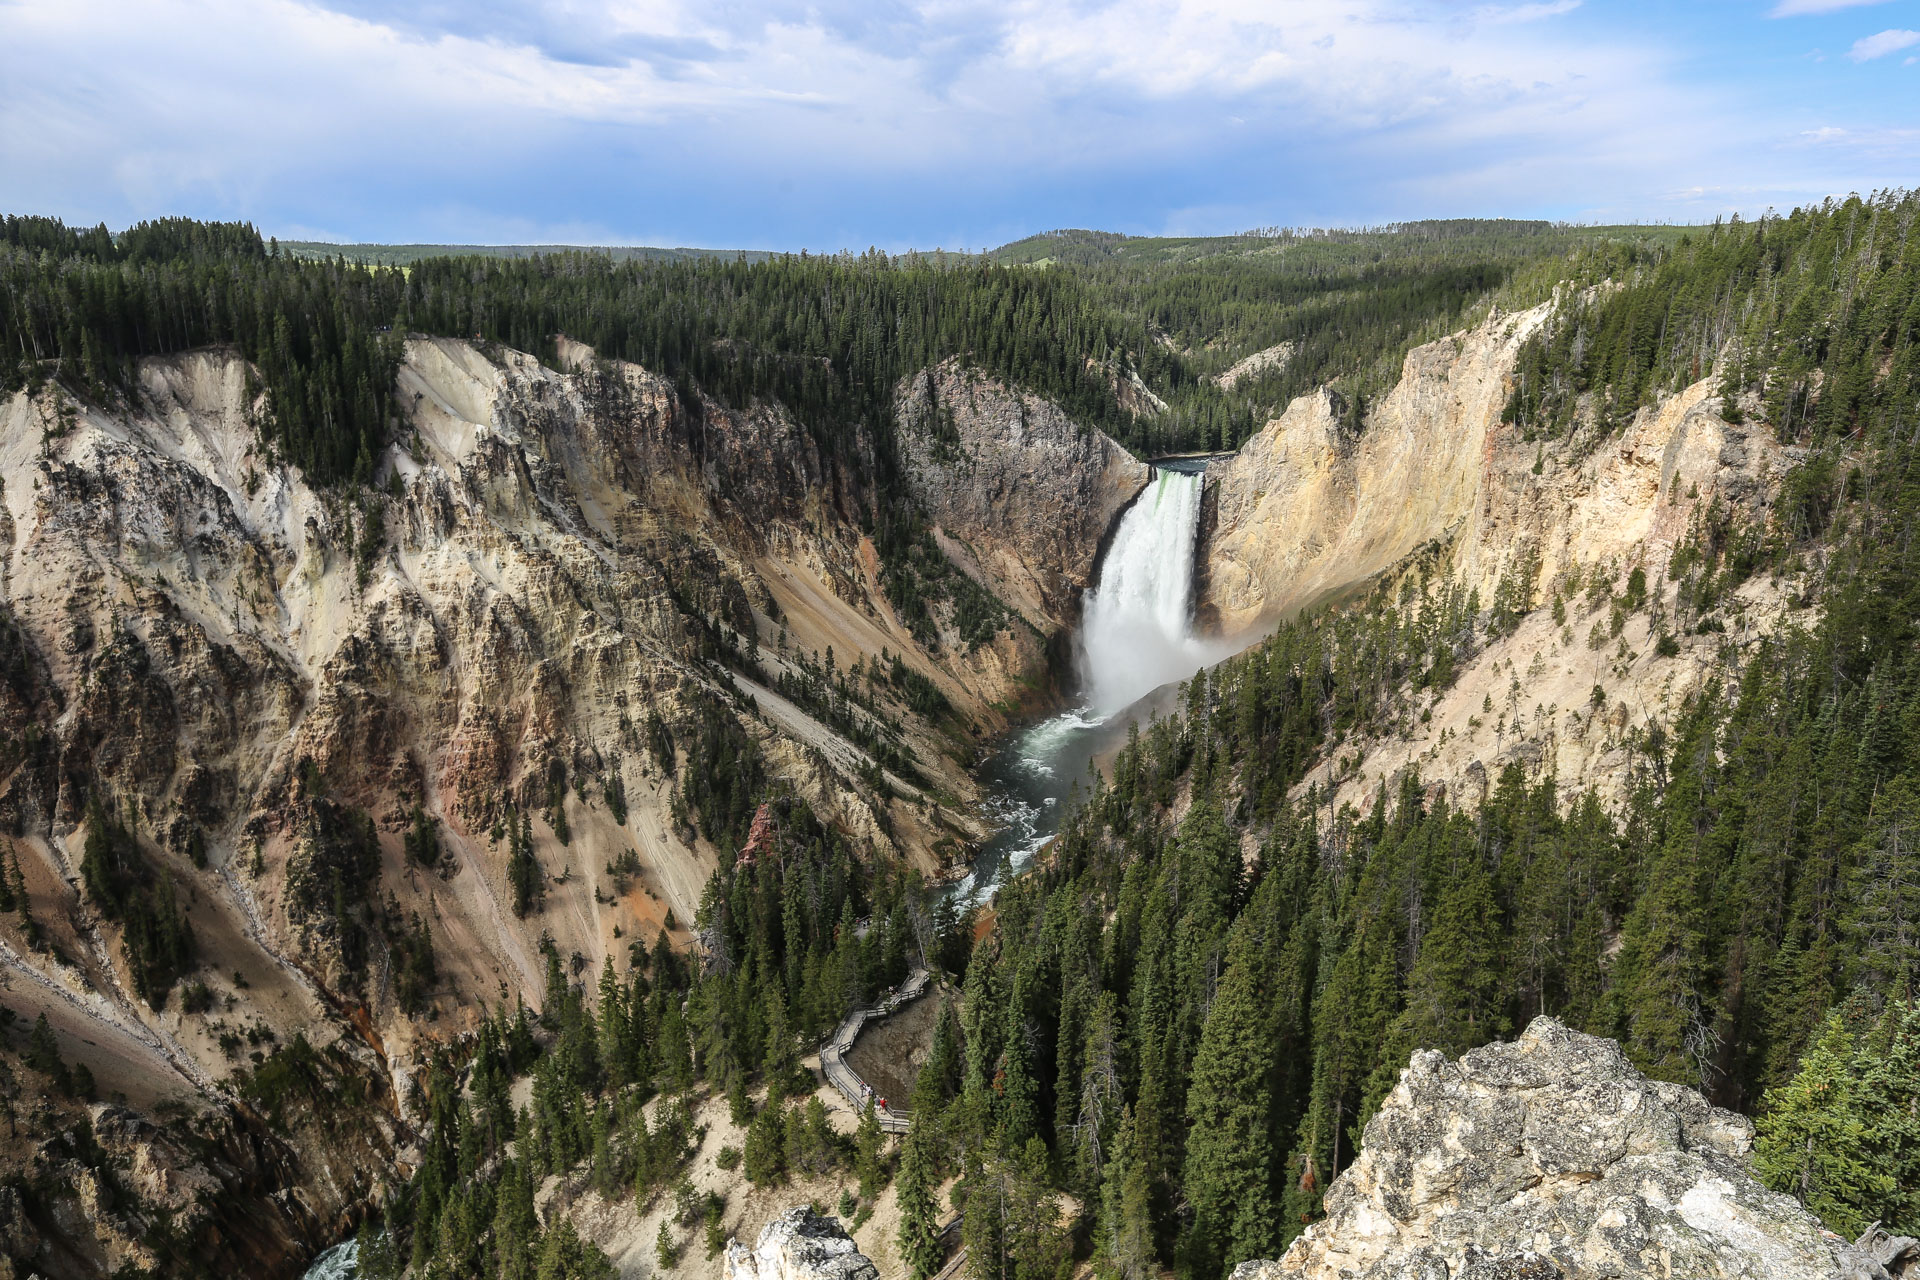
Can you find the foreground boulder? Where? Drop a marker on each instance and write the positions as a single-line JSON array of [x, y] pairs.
[[800, 1245], [1552, 1158]]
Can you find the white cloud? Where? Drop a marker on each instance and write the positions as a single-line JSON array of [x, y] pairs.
[[673, 108], [1495, 15], [1802, 8], [1879, 46]]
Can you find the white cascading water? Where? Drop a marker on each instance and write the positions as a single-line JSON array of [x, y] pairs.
[[1136, 634], [1136, 629], [342, 1262]]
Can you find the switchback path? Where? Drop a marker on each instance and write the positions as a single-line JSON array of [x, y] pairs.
[[833, 1056]]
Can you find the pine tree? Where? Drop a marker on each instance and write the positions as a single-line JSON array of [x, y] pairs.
[[1814, 1140], [43, 1055], [1101, 1089], [781, 1064], [1842, 1136], [1885, 928], [524, 875], [1662, 967], [563, 1255], [1228, 1173], [867, 1162], [920, 1246], [1035, 1242], [1453, 991], [764, 1150], [606, 1173], [1126, 1209], [665, 1252]]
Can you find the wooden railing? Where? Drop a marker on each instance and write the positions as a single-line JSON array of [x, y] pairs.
[[833, 1060]]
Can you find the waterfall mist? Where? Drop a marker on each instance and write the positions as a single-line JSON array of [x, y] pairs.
[[1136, 630]]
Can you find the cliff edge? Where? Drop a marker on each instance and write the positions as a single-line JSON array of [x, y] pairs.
[[1311, 510], [1552, 1158], [800, 1245], [1022, 496]]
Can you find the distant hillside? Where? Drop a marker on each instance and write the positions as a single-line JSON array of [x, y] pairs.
[[1344, 304], [402, 255], [1073, 247]]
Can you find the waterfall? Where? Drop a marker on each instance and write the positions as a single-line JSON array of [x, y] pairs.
[[1135, 635], [1136, 630]]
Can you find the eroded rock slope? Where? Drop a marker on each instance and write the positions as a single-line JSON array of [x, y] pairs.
[[1022, 496], [1308, 511], [561, 584]]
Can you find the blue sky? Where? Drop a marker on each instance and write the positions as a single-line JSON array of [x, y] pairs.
[[955, 123]]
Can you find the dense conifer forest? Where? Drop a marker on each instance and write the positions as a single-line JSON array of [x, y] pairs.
[[828, 337]]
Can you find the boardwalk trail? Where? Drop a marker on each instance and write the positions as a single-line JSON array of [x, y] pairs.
[[833, 1056]]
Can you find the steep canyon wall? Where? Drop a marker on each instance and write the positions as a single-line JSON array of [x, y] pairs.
[[233, 663], [1309, 510]]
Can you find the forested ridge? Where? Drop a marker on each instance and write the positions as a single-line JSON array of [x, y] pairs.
[[1348, 304], [827, 336]]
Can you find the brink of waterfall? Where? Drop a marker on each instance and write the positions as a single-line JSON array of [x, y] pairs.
[[1136, 628]]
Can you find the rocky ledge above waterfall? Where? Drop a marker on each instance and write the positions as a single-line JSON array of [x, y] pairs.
[[1552, 1158]]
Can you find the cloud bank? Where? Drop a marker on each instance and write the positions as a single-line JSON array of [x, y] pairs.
[[834, 123]]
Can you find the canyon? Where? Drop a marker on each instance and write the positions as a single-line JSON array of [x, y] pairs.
[[551, 566], [554, 559]]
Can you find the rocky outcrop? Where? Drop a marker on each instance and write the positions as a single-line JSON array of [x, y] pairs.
[[1022, 496], [1260, 362], [800, 1245], [1551, 1158]]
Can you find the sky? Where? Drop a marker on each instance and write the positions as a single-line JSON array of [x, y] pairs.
[[959, 124]]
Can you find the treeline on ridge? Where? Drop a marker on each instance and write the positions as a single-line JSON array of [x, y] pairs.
[[828, 337]]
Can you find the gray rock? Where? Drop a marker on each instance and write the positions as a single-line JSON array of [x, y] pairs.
[[800, 1245], [1898, 1256], [1552, 1158], [1020, 494]]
